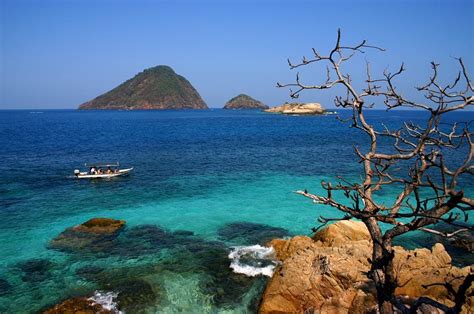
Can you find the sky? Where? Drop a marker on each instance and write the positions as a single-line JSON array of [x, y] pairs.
[[59, 54]]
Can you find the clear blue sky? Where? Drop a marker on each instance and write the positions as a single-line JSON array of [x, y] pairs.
[[59, 54]]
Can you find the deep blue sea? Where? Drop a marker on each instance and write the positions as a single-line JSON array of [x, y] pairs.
[[225, 177]]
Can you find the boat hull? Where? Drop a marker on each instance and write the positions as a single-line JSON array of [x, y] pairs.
[[121, 172]]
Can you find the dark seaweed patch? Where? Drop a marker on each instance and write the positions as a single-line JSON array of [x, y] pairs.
[[35, 270], [5, 287], [81, 242], [90, 273], [135, 295], [246, 233], [141, 240]]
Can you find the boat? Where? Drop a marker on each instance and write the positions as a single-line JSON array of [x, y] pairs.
[[102, 171]]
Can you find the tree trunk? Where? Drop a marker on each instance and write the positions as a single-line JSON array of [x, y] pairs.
[[382, 272]]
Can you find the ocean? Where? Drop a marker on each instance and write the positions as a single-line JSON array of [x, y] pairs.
[[205, 184]]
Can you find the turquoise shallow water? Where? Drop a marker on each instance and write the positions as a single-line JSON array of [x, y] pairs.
[[225, 177]]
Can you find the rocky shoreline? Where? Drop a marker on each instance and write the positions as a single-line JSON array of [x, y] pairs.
[[323, 274], [327, 273]]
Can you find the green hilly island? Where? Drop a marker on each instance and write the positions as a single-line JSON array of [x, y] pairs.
[[155, 88], [243, 101]]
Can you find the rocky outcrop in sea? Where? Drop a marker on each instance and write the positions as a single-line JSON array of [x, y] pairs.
[[93, 234], [327, 273], [298, 109]]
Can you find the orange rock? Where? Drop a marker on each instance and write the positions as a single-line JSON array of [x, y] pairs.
[[329, 275], [96, 234], [81, 305], [342, 232], [100, 225]]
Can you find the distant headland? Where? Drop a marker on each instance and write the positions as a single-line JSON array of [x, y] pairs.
[[155, 88]]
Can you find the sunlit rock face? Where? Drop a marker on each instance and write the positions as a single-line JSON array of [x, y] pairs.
[[298, 109], [327, 274], [83, 305]]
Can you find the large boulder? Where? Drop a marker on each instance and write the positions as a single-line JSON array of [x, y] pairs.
[[95, 235], [342, 232], [329, 275]]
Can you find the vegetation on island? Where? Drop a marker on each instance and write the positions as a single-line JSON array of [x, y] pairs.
[[419, 167], [155, 88], [243, 101]]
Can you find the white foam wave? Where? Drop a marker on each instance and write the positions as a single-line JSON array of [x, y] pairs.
[[106, 300], [253, 260]]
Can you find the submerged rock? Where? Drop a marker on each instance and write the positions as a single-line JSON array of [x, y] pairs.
[[102, 236], [250, 233], [135, 295], [184, 233], [142, 240], [81, 305], [226, 287], [96, 234], [210, 259], [149, 239], [132, 293], [329, 275], [5, 287], [35, 270], [90, 273]]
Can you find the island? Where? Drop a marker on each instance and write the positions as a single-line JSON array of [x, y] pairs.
[[243, 101], [298, 109], [154, 88]]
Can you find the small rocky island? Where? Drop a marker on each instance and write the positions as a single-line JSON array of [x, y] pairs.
[[298, 109], [243, 101], [155, 88]]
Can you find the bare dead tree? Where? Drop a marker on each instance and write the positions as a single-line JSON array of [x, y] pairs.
[[417, 164]]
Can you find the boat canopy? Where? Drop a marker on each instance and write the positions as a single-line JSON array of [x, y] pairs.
[[99, 165]]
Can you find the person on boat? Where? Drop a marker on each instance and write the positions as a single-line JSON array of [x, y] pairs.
[[93, 170], [99, 171], [109, 170]]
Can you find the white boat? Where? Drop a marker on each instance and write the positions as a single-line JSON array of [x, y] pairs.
[[102, 171]]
